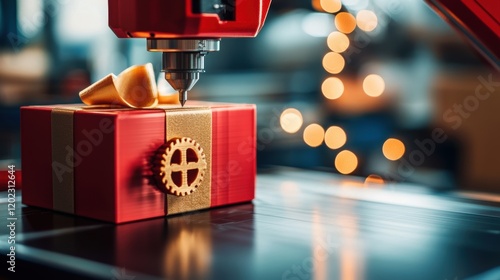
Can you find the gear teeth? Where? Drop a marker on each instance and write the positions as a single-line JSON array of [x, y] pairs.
[[158, 162], [162, 167]]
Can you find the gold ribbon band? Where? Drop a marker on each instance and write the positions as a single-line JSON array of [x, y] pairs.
[[62, 158], [62, 144], [195, 123]]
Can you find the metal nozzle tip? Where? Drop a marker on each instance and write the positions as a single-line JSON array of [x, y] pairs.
[[182, 97]]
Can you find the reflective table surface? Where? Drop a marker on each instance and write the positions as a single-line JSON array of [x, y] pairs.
[[302, 225]]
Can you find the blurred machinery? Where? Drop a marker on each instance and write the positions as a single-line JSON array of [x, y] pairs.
[[185, 31]]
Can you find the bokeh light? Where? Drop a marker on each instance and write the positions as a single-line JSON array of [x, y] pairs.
[[337, 42], [373, 179], [346, 162], [393, 149], [366, 20], [373, 85], [333, 62], [329, 6], [357, 5], [332, 88], [335, 137], [317, 25], [314, 135], [291, 120], [345, 22]]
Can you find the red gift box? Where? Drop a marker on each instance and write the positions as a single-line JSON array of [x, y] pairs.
[[121, 165]]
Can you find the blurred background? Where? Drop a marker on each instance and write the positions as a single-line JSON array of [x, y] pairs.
[[383, 89]]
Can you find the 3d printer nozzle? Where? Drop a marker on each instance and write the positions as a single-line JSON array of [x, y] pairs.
[[183, 61]]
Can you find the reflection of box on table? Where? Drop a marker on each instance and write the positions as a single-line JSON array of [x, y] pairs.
[[121, 165]]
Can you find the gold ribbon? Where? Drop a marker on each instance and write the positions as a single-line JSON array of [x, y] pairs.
[[195, 123], [135, 87], [62, 148], [62, 144]]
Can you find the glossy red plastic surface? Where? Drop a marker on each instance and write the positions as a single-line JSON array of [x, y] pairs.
[[175, 19], [478, 20], [36, 156], [114, 181]]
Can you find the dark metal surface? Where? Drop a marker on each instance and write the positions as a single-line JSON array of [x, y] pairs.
[[302, 225]]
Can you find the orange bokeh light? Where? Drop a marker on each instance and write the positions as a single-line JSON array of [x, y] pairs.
[[333, 62], [373, 85], [374, 179], [345, 22], [337, 42], [314, 135], [335, 137], [393, 149], [346, 162], [329, 6], [332, 88]]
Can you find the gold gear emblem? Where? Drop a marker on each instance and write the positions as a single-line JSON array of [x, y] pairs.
[[181, 167]]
